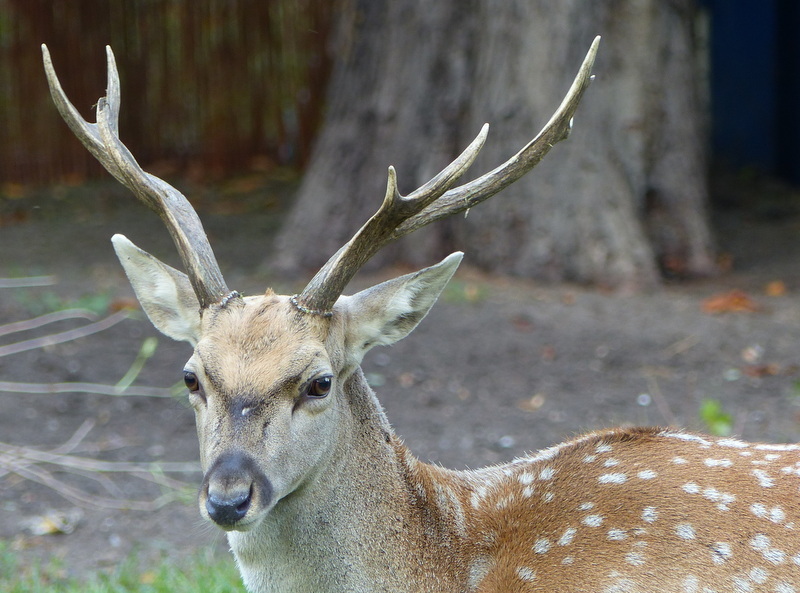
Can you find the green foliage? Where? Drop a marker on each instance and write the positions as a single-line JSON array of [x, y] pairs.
[[717, 421], [146, 352], [459, 291], [201, 574], [37, 303]]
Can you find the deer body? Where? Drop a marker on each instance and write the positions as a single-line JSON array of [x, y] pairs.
[[317, 494]]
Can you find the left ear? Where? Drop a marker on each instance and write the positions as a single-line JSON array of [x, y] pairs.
[[388, 312]]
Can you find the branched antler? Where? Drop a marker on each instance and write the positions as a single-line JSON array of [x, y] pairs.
[[102, 140], [400, 215]]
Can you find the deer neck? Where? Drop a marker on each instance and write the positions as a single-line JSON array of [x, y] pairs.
[[355, 524]]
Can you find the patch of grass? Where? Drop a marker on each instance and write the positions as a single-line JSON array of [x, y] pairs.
[[40, 303], [203, 573], [459, 291], [717, 420]]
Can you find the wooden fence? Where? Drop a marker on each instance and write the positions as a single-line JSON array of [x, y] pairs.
[[217, 86]]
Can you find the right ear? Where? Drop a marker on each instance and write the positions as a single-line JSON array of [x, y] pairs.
[[166, 295]]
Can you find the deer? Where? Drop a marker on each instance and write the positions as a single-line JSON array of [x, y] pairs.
[[316, 492]]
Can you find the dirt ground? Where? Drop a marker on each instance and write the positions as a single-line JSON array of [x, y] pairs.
[[500, 367]]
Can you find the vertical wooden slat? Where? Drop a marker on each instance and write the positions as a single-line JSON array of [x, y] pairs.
[[209, 83]]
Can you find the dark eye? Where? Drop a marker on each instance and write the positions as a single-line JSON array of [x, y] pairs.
[[191, 381], [319, 387]]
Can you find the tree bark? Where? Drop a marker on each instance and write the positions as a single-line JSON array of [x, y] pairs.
[[414, 80]]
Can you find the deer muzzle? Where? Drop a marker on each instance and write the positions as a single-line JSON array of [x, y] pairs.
[[234, 487]]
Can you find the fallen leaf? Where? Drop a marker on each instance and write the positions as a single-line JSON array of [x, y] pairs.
[[775, 288], [762, 370], [735, 301], [54, 522], [532, 404]]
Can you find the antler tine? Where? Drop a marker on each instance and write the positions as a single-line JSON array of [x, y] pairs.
[[470, 194], [399, 216], [325, 287], [102, 140]]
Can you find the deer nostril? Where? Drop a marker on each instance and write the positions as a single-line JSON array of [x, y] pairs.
[[226, 511]]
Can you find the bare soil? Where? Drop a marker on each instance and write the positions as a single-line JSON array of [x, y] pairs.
[[499, 368]]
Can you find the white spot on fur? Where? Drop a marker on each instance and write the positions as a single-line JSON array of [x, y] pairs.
[[568, 560], [764, 480], [615, 478], [758, 509], [784, 588], [691, 584], [478, 570], [547, 473], [593, 520], [775, 556], [691, 488], [777, 447], [742, 585], [723, 498], [736, 444], [760, 542], [649, 514], [679, 461], [721, 552], [617, 534], [685, 531], [526, 574], [527, 492], [758, 575], [647, 474], [634, 558], [589, 458], [542, 546], [526, 478], [603, 448], [567, 537], [586, 506], [686, 437], [718, 462], [548, 497], [610, 462]]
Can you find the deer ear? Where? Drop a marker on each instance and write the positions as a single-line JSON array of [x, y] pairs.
[[389, 311], [166, 294]]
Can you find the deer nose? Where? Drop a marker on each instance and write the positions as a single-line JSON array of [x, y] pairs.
[[226, 510], [232, 487]]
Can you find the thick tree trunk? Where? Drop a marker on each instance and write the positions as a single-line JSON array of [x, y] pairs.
[[413, 82]]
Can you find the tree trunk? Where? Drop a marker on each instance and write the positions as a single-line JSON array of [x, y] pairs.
[[413, 82]]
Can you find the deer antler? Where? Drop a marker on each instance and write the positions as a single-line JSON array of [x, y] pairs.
[[102, 140], [400, 215]]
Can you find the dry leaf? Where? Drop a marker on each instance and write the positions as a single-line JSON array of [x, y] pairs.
[[735, 301], [532, 404], [54, 522], [775, 288], [762, 370]]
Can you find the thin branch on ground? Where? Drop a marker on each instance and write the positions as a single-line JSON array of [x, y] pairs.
[[95, 388], [28, 282], [27, 462], [36, 322], [65, 336]]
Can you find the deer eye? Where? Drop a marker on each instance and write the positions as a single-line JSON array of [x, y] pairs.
[[320, 387], [192, 384]]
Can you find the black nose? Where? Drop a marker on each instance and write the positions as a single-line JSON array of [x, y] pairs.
[[232, 487], [228, 509]]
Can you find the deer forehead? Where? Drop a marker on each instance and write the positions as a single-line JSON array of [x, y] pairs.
[[261, 344]]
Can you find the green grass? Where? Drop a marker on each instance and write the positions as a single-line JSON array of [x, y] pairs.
[[717, 421], [203, 573]]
